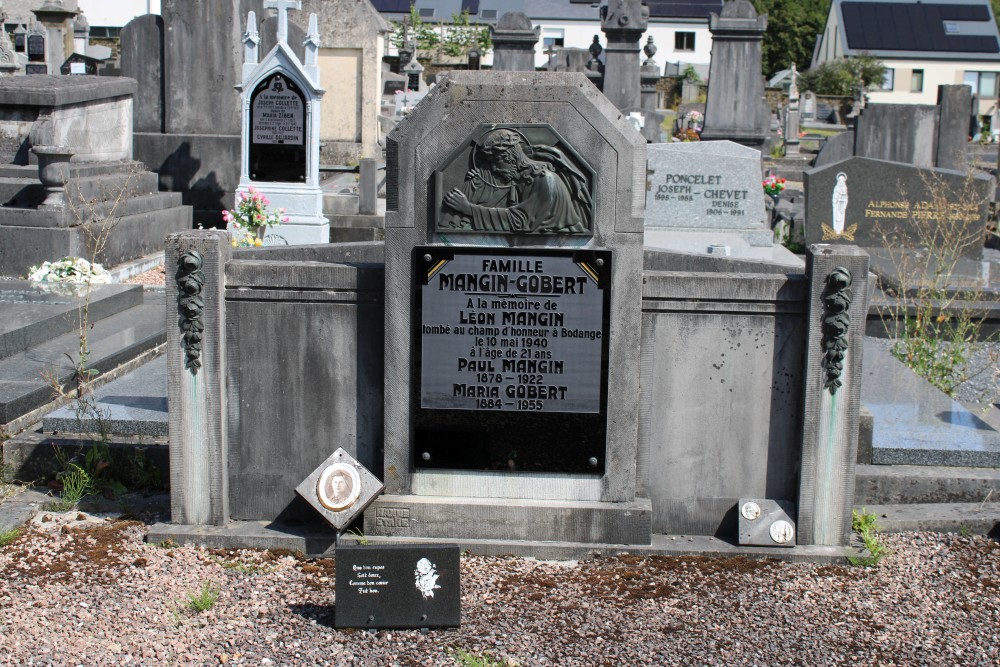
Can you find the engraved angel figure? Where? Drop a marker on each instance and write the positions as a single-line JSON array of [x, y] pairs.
[[839, 201], [425, 578]]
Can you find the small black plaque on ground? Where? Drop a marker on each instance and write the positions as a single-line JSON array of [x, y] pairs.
[[398, 587]]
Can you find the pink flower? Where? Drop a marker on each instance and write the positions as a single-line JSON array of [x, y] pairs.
[[284, 219]]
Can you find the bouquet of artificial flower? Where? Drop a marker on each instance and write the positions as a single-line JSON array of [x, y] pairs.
[[75, 270], [774, 185], [250, 218]]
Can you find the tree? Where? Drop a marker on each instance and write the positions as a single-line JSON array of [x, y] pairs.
[[839, 77], [792, 30], [453, 39]]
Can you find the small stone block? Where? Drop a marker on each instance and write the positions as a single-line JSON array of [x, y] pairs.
[[766, 523], [340, 489], [398, 586]]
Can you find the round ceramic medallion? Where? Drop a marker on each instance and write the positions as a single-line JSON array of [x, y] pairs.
[[782, 531], [750, 511]]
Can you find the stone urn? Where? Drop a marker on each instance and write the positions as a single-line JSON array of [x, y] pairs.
[[53, 172]]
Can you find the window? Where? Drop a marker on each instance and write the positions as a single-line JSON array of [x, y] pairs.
[[488, 14], [890, 79], [426, 12], [553, 37], [683, 41], [917, 81], [104, 32], [951, 28], [983, 84]]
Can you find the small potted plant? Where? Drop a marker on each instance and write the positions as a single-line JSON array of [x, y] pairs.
[[248, 222]]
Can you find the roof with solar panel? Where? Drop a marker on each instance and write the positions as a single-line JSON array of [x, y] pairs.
[[941, 29]]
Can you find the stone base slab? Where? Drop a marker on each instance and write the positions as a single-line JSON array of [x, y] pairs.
[[311, 542], [465, 518]]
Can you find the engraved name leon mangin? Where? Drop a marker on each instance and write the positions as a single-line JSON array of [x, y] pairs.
[[514, 187]]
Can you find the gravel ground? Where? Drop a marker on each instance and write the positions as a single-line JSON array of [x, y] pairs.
[[155, 276], [91, 592]]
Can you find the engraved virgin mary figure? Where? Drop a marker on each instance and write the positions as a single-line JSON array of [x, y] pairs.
[[839, 202], [516, 188]]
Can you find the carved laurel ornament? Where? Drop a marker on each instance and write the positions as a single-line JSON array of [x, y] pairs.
[[837, 297], [190, 304]]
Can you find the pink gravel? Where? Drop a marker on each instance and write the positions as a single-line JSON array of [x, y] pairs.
[[78, 590]]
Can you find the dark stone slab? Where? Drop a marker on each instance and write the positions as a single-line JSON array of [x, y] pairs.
[[888, 203], [32, 313], [135, 404], [113, 341], [397, 586]]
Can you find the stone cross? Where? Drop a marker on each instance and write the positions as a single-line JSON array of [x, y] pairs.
[[283, 6]]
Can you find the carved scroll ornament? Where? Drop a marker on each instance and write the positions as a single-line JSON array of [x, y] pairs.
[[837, 299], [190, 304]]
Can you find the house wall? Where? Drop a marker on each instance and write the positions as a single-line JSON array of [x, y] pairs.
[[116, 13], [935, 74], [580, 34]]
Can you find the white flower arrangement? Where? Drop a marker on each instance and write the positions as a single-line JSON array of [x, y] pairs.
[[74, 270]]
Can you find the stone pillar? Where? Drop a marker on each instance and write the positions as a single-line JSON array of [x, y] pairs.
[[196, 356], [514, 42], [838, 306], [792, 118], [649, 75], [367, 186], [952, 140], [623, 23], [736, 109]]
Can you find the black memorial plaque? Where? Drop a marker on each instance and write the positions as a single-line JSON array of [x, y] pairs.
[[278, 131], [36, 49], [397, 586], [512, 358]]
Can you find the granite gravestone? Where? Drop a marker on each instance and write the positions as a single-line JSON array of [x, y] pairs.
[[706, 186], [875, 203], [514, 213]]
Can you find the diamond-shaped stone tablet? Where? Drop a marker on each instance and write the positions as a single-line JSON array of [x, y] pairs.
[[340, 489]]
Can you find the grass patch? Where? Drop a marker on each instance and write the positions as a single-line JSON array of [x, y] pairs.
[[467, 659], [204, 599], [8, 536], [865, 524]]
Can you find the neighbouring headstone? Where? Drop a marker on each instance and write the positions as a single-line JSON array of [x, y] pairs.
[[808, 105], [398, 586], [353, 34], [281, 127], [736, 109], [706, 186], [623, 23], [875, 203], [952, 139], [514, 41]]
